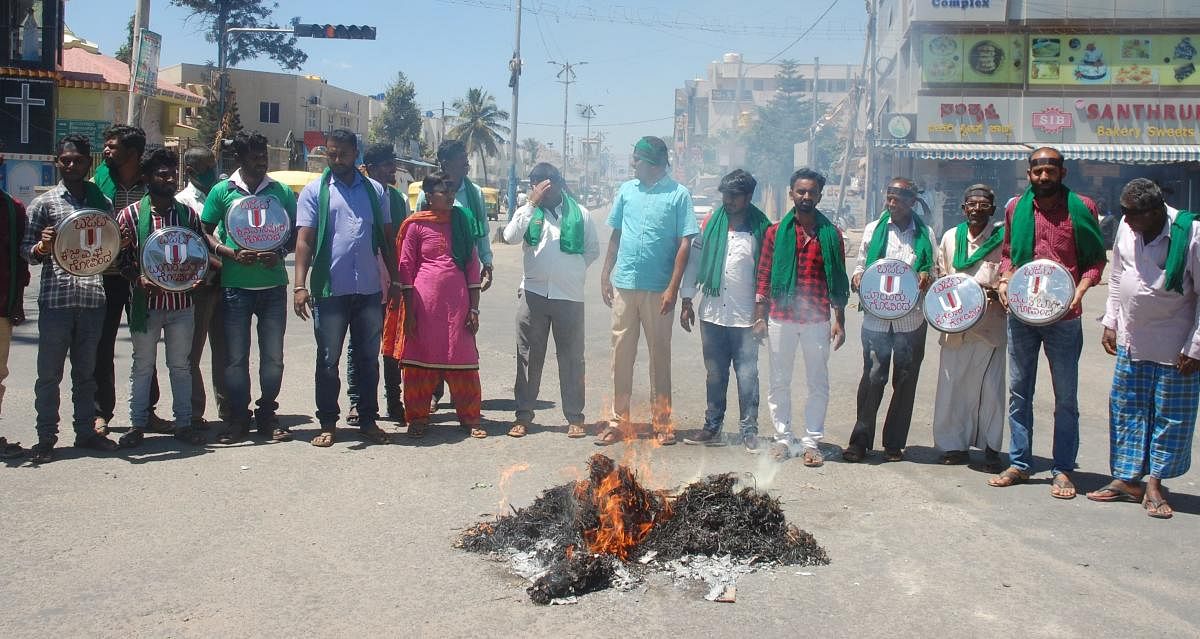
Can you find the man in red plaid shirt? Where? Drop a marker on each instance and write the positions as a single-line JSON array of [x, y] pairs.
[[801, 277]]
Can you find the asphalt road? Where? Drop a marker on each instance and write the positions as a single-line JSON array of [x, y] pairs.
[[287, 540]]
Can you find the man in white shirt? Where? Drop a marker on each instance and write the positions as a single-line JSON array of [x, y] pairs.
[[721, 265], [559, 241]]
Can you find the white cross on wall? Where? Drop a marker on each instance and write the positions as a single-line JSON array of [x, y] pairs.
[[25, 101]]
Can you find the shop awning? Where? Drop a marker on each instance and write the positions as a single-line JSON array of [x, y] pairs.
[[1132, 153], [964, 151]]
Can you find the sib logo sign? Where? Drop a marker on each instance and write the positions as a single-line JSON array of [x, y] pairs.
[[1052, 120]]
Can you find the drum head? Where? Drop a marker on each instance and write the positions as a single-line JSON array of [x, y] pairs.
[[258, 223], [174, 257], [1040, 292], [889, 289], [954, 303], [87, 242]]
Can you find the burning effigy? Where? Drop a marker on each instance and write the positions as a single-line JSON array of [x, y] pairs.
[[608, 529]]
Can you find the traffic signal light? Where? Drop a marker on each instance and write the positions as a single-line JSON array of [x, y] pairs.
[[334, 31]]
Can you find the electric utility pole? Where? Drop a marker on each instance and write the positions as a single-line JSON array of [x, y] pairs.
[[566, 76], [514, 81]]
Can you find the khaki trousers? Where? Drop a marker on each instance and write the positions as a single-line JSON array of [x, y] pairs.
[[633, 313]]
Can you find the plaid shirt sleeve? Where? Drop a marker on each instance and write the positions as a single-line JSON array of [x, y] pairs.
[[765, 258]]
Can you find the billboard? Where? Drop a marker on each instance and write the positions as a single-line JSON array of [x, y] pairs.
[[972, 58], [1123, 60]]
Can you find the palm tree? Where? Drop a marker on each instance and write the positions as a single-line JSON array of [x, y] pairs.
[[531, 147], [480, 125]]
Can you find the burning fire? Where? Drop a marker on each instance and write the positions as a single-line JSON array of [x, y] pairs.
[[625, 512], [506, 476]]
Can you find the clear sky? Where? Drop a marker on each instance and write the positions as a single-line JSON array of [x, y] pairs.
[[637, 53]]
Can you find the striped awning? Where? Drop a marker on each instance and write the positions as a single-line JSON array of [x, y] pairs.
[[964, 151], [1132, 153]]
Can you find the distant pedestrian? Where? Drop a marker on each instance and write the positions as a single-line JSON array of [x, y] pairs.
[[156, 314], [721, 266], [199, 166], [558, 239], [652, 224], [969, 406], [343, 226], [14, 277], [801, 305], [253, 284], [1053, 222], [1150, 325], [901, 234], [70, 307], [439, 277]]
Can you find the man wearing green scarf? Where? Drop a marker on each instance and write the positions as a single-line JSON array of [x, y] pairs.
[[801, 306], [652, 223], [343, 228], [721, 265], [14, 277], [1052, 222], [969, 409], [156, 315], [558, 239], [1150, 325], [901, 234], [70, 308]]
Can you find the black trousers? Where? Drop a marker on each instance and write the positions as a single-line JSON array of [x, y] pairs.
[[903, 352], [116, 293]]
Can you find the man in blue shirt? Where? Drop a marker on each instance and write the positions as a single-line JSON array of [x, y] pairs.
[[652, 225], [343, 223]]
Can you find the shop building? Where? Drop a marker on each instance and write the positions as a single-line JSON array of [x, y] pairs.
[[974, 87]]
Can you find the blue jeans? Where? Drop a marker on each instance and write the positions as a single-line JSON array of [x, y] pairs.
[[1063, 342], [175, 330], [63, 331], [238, 305], [724, 346], [362, 315]]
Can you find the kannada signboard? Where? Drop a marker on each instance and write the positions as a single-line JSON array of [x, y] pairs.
[[93, 129], [1126, 60]]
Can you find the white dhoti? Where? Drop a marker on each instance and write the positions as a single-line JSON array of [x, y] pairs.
[[970, 406]]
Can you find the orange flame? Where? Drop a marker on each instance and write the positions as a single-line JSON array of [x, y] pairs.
[[626, 512], [506, 477]]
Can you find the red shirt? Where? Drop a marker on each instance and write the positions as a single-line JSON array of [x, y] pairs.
[[1053, 238], [9, 249], [810, 304]]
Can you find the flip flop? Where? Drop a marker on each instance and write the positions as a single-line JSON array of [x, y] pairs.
[[1154, 508], [576, 431], [1062, 482], [324, 439], [475, 431], [1112, 492], [813, 458], [1010, 476], [518, 430], [609, 436]]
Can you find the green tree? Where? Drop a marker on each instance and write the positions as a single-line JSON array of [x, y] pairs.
[[400, 121], [218, 15], [480, 125], [531, 147], [125, 53], [780, 125], [208, 116]]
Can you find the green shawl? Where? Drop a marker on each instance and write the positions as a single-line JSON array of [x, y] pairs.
[[94, 197], [462, 241], [323, 255], [570, 227], [923, 248], [1089, 243], [399, 206], [103, 179], [139, 309], [962, 261], [716, 246], [1181, 239], [783, 259]]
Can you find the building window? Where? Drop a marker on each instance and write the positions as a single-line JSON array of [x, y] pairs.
[[268, 112], [313, 120], [345, 121], [29, 25]]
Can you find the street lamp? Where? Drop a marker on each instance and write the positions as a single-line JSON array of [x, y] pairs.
[[587, 112]]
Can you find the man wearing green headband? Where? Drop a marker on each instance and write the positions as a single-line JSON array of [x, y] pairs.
[[900, 234], [1053, 222], [558, 239], [721, 265], [652, 225], [969, 409]]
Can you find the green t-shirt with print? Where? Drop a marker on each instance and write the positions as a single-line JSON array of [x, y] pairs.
[[234, 275]]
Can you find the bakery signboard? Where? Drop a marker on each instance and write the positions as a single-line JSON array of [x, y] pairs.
[[1124, 60], [948, 59]]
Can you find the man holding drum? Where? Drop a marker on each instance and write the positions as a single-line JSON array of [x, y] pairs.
[[162, 301], [70, 307], [898, 234], [1060, 229], [259, 212], [969, 410], [1150, 325]]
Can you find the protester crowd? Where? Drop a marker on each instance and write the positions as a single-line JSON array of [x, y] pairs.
[[376, 279]]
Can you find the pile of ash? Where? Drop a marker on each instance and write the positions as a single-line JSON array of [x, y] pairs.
[[593, 534]]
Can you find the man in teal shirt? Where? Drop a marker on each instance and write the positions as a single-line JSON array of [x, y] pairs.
[[652, 225]]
